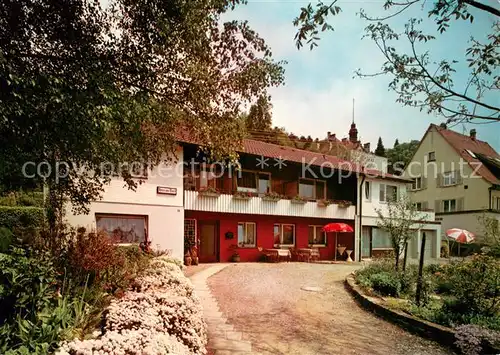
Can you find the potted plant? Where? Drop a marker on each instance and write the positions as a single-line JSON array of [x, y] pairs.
[[194, 255], [208, 191], [344, 203], [242, 195], [298, 200], [187, 259], [324, 202], [235, 257], [272, 196]]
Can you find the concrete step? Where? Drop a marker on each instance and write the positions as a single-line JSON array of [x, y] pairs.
[[233, 345]]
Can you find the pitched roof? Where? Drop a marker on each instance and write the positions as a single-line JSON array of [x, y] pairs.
[[290, 154], [462, 144]]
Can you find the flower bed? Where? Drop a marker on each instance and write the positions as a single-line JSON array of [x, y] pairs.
[[159, 315]]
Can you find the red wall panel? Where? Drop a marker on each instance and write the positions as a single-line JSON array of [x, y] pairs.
[[229, 223]]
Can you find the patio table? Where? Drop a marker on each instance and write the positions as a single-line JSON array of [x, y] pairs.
[[277, 254]]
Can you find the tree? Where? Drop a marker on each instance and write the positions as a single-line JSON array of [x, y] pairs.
[[259, 117], [87, 85], [429, 84], [399, 156], [400, 219], [396, 143], [490, 234], [380, 150]]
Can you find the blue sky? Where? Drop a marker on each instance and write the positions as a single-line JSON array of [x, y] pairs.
[[317, 96]]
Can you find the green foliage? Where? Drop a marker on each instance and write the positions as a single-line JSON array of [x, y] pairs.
[[85, 84], [380, 150], [491, 234], [259, 117], [22, 217], [399, 156], [34, 199], [475, 285], [386, 283], [6, 238]]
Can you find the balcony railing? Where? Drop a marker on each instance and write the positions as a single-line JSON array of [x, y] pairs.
[[229, 203]]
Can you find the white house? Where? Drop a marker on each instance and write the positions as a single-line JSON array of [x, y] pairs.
[[154, 211], [374, 241]]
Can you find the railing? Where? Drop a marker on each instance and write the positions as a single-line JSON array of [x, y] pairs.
[[227, 203]]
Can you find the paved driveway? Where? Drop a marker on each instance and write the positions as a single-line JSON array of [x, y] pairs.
[[266, 303]]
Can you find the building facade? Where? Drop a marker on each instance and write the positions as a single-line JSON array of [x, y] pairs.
[[457, 176], [154, 212]]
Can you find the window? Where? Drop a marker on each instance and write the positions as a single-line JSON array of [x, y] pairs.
[[416, 184], [246, 234], [368, 194], [284, 234], [251, 181], [450, 178], [316, 236], [388, 193], [190, 230], [210, 177], [312, 189], [381, 239], [418, 206], [497, 204], [431, 156], [449, 205], [123, 228]]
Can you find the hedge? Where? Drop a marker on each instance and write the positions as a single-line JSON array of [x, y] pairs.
[[21, 217]]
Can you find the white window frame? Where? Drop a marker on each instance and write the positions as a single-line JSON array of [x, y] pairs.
[[449, 203], [368, 190], [417, 184], [316, 227], [245, 224], [257, 179], [450, 178], [384, 187], [145, 218], [315, 182], [281, 225]]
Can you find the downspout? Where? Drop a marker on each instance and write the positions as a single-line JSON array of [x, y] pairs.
[[490, 202], [361, 215]]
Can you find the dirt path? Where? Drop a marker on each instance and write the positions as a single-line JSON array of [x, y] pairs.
[[266, 302]]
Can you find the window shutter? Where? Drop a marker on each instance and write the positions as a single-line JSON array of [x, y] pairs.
[[460, 204], [424, 182], [425, 205], [458, 177], [439, 180], [437, 207]]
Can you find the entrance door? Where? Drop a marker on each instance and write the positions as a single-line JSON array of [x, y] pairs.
[[208, 241]]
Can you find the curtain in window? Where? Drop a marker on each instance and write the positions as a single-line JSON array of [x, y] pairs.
[[123, 229], [306, 189], [381, 239]]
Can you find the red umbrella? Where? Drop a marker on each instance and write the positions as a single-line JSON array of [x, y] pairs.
[[337, 228], [460, 236]]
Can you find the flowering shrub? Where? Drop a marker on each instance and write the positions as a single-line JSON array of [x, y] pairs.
[[160, 315]]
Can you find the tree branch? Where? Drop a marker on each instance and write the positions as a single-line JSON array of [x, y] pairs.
[[482, 6]]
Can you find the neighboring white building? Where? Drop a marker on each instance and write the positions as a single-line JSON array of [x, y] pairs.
[[375, 241], [154, 210]]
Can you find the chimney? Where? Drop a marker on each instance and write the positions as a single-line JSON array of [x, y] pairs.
[[366, 147], [443, 125], [473, 134]]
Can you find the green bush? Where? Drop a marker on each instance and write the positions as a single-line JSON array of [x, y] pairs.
[[33, 199], [475, 285], [21, 217], [382, 265], [386, 283], [6, 237]]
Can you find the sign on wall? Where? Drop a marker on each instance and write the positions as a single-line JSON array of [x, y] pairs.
[[163, 190]]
